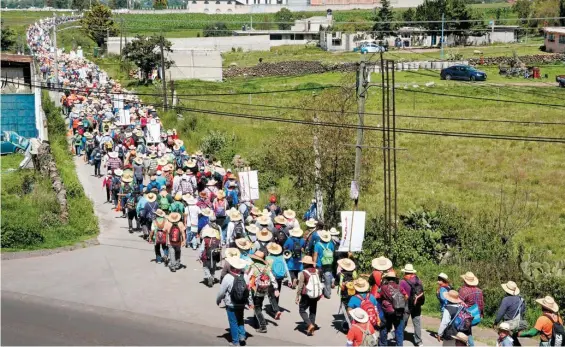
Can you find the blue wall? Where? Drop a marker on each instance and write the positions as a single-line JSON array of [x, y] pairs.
[[18, 114]]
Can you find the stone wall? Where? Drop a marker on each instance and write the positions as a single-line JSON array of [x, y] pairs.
[[536, 59], [48, 168], [287, 68]]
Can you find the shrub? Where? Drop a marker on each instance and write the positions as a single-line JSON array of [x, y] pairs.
[[214, 142]]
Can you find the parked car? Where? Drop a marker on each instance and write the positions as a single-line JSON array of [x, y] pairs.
[[369, 46], [13, 143], [463, 72], [561, 80]]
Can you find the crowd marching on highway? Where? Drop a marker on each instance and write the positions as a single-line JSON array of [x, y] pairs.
[[181, 199]]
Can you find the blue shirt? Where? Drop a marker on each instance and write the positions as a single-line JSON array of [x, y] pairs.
[[153, 184], [161, 180], [441, 297], [292, 263], [140, 204], [319, 248], [355, 302]]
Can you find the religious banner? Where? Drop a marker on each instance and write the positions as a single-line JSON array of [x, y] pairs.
[[352, 231], [249, 185]]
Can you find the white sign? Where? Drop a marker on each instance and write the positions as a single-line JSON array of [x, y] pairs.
[[124, 117], [153, 131], [249, 185], [352, 231], [118, 101]]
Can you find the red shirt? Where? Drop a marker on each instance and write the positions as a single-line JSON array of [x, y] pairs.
[[355, 334], [472, 295]]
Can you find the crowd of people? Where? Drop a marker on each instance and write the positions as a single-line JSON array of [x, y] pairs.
[[180, 198]]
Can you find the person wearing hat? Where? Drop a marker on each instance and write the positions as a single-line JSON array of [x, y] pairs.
[[138, 170], [77, 142], [161, 179], [361, 331], [126, 188], [279, 230], [121, 150], [164, 199], [220, 206], [512, 309], [252, 231], [504, 339], [447, 330], [264, 221], [471, 295], [153, 184], [209, 254], [244, 246], [177, 178], [116, 186], [235, 311], [232, 194], [141, 201], [412, 285], [107, 183], [545, 323], [294, 247], [360, 299], [277, 263], [148, 213], [312, 236], [130, 206], [380, 266], [393, 315], [460, 339], [113, 162], [291, 221], [261, 280], [228, 252], [176, 238], [204, 219], [235, 227], [89, 146], [308, 306], [192, 213], [442, 289], [347, 274], [158, 235], [152, 164], [96, 156], [264, 236], [272, 207], [177, 205], [324, 257]]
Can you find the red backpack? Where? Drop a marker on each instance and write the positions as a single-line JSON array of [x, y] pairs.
[[160, 236], [371, 310], [174, 234], [378, 277]]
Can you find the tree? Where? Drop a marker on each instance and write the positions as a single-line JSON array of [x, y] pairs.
[[284, 18], [458, 16], [79, 4], [160, 4], [562, 12], [98, 22], [265, 24], [115, 4], [8, 39], [383, 25], [546, 9], [146, 54], [408, 15], [216, 29], [430, 11]]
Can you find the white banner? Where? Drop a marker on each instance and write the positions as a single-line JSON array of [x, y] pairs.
[[118, 101], [353, 231], [249, 185], [124, 117], [153, 131]]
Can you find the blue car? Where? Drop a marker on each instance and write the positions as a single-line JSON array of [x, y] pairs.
[[463, 72], [13, 143]]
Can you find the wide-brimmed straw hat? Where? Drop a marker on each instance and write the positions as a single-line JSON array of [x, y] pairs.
[[255, 211], [113, 154], [236, 216], [289, 214], [189, 199], [470, 279], [346, 264], [504, 326], [381, 263], [443, 276], [325, 236], [259, 256], [334, 232], [307, 260], [409, 269], [207, 212], [236, 262], [151, 197], [232, 252], [209, 232], [274, 248], [160, 213], [127, 179], [452, 296], [243, 243], [162, 162], [280, 220], [264, 235], [549, 303], [311, 223], [174, 217], [296, 232], [138, 160], [359, 315], [511, 288], [190, 163], [390, 274], [263, 220], [253, 229], [361, 285], [461, 337], [221, 195]]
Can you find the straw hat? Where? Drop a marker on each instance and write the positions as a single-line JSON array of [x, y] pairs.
[[209, 232], [113, 154], [174, 217], [255, 211], [307, 260], [118, 172], [381, 263], [236, 262], [280, 220], [409, 269], [470, 279], [168, 168], [296, 232], [452, 296], [162, 162], [221, 195], [178, 196], [211, 182], [138, 160], [289, 214], [511, 288], [198, 153], [274, 248], [334, 232], [311, 223], [243, 244], [176, 147], [443, 276], [346, 264], [549, 303], [232, 252], [190, 163], [504, 326], [160, 213], [127, 179], [325, 236], [361, 285], [359, 315], [189, 199], [461, 337], [151, 197], [263, 220], [390, 274], [258, 255], [207, 212], [264, 235], [179, 143], [253, 229], [235, 216]]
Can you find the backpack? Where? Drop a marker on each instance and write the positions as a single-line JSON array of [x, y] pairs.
[[313, 287], [280, 237], [211, 247], [219, 208], [152, 209], [130, 203], [416, 293], [239, 293], [327, 255], [368, 338], [262, 282], [371, 310], [238, 230], [175, 234], [164, 202], [161, 236], [176, 207], [461, 321], [475, 311], [558, 333], [121, 152], [377, 277], [116, 184], [97, 155], [397, 299], [278, 267], [296, 249]]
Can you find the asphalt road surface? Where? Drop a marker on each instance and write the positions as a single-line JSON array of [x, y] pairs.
[[29, 320]]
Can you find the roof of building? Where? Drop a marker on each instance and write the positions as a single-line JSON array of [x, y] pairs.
[[559, 30], [268, 32], [16, 58]]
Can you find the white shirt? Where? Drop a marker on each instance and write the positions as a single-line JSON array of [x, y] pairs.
[[192, 212]]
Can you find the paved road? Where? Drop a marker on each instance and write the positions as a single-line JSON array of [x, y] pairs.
[[120, 275]]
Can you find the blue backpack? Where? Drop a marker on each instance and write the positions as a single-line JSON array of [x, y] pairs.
[[278, 267]]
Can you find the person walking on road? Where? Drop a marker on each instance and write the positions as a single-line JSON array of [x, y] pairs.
[[366, 301], [412, 285], [442, 289], [449, 331], [393, 307], [512, 310], [324, 258], [472, 295], [294, 246], [97, 161], [176, 238], [277, 264], [504, 339], [362, 332], [209, 254], [260, 282], [158, 235], [308, 293], [546, 323], [149, 213], [191, 212]]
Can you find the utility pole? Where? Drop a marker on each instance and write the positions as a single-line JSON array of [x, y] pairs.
[[361, 99], [163, 78], [121, 33], [442, 31], [107, 40], [55, 60], [318, 170], [492, 33]]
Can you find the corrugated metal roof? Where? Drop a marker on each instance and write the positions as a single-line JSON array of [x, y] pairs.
[[16, 58], [559, 30]]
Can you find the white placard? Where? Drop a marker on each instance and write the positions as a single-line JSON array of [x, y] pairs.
[[118, 101], [352, 231], [153, 131], [249, 185], [124, 117]]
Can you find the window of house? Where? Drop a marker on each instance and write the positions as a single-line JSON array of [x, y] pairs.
[[299, 37], [217, 2], [551, 37], [276, 37], [561, 38], [336, 42], [279, 2]]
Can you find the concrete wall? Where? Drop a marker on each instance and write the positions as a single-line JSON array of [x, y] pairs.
[[554, 46], [195, 64], [222, 44]]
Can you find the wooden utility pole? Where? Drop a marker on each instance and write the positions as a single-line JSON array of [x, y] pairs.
[[361, 99], [163, 78], [121, 33], [317, 170]]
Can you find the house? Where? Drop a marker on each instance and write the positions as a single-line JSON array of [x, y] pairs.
[[554, 39]]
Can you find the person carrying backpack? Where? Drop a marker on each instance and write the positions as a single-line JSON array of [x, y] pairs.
[[261, 279], [455, 319], [130, 207], [412, 285], [278, 267], [512, 310], [209, 254], [293, 248], [504, 339], [442, 289], [177, 205], [347, 274], [324, 258], [220, 207], [176, 239], [234, 293], [549, 326], [158, 235], [366, 301], [164, 199], [393, 302], [263, 238], [97, 161], [362, 332], [308, 293], [149, 213], [116, 186], [472, 296], [279, 230]]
